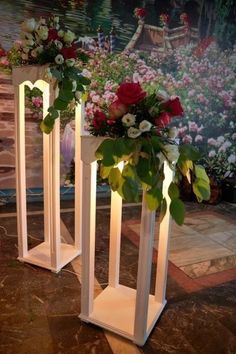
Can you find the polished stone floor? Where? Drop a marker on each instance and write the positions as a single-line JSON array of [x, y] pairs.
[[39, 309]]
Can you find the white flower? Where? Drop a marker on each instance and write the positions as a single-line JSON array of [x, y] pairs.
[[56, 19], [128, 119], [172, 152], [42, 21], [26, 50], [162, 95], [59, 59], [39, 49], [61, 33], [29, 25], [70, 62], [212, 153], [43, 32], [86, 73], [74, 86], [77, 95], [133, 132], [172, 132], [58, 44], [24, 56], [232, 158], [34, 53], [29, 43], [69, 36], [145, 126], [28, 36]]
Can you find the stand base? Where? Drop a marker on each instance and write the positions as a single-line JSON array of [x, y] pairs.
[[114, 310], [40, 256]]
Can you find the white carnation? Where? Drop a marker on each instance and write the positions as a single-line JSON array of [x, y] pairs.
[[59, 59], [58, 44], [145, 126], [43, 33], [133, 132], [172, 132], [69, 36], [128, 119]]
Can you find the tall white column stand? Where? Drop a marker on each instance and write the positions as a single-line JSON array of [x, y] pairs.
[[51, 253], [128, 312]]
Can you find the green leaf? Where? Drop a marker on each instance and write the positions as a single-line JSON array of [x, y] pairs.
[[47, 124], [60, 105], [201, 173], [129, 171], [189, 152], [105, 152], [163, 209], [153, 198], [122, 148], [67, 84], [201, 189], [156, 143], [53, 112], [185, 166], [83, 80], [177, 211], [66, 95], [173, 191], [104, 171], [114, 179], [56, 73], [130, 190]]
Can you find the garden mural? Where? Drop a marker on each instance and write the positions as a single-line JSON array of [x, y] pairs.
[[199, 70]]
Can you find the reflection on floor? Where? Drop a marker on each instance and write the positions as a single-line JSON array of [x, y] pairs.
[[39, 309]]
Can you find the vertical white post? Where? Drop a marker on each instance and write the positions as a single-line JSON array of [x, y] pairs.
[[88, 244], [163, 246], [46, 171], [19, 92], [144, 272], [78, 175], [115, 235], [55, 195]]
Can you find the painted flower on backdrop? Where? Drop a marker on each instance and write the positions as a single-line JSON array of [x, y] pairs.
[[140, 12], [46, 41], [164, 19], [137, 122]]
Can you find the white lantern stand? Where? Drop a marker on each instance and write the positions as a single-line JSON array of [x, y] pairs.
[[51, 253], [120, 309]]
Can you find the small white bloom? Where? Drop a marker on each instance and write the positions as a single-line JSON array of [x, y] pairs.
[[162, 95], [39, 49], [232, 158], [61, 33], [77, 95], [24, 56], [58, 44], [70, 62], [86, 73], [128, 119], [69, 36], [34, 53], [43, 33], [172, 152], [28, 36], [29, 25], [74, 86], [172, 132], [59, 59], [26, 50], [29, 43], [42, 21], [212, 153], [145, 126], [133, 132], [56, 19]]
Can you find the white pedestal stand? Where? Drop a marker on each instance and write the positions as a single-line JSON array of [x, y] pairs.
[[51, 253], [120, 309]]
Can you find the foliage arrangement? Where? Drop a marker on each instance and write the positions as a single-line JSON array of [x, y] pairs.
[[46, 42], [136, 124]]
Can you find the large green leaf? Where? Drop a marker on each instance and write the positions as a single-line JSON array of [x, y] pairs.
[[122, 147], [60, 105], [66, 95], [153, 198], [104, 171], [201, 189], [185, 166], [83, 80], [177, 211], [114, 178], [201, 173], [173, 191], [189, 152], [130, 190], [163, 209], [105, 152], [129, 171], [56, 73]]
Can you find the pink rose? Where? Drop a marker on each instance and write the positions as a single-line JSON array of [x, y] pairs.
[[117, 109]]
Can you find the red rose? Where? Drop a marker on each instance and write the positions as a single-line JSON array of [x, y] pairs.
[[140, 12], [173, 107], [117, 109], [69, 52], [163, 120], [52, 34], [99, 118], [130, 93], [2, 52]]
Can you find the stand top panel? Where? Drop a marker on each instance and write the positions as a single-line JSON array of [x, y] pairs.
[[30, 73]]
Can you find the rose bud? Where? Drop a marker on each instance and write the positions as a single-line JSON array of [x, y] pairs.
[[117, 109]]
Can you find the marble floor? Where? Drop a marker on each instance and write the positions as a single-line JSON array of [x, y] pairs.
[[39, 309]]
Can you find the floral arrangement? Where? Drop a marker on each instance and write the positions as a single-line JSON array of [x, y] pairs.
[[136, 124], [164, 19], [139, 12], [46, 42]]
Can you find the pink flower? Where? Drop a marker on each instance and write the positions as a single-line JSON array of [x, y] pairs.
[[37, 101], [198, 138], [187, 139]]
